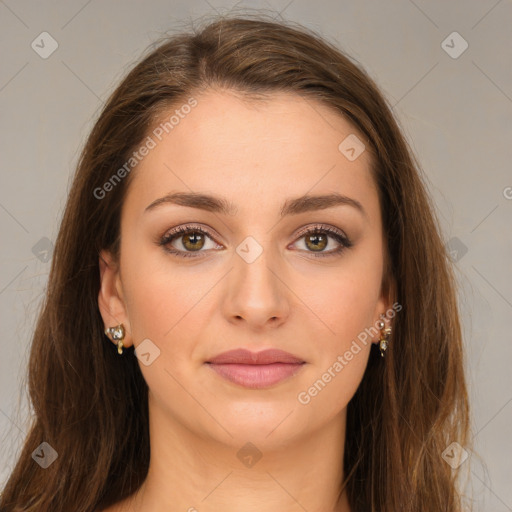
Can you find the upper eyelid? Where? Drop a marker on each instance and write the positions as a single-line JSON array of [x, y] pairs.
[[331, 230]]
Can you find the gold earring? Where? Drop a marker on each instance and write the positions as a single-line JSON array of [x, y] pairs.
[[384, 336], [117, 334]]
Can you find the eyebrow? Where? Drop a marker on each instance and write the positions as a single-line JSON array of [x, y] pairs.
[[293, 206]]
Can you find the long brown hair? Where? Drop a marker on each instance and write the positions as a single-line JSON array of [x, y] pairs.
[[91, 406]]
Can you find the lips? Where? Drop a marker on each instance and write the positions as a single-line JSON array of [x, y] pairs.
[[256, 370], [243, 356]]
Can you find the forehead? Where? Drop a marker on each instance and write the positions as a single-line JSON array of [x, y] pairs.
[[253, 152]]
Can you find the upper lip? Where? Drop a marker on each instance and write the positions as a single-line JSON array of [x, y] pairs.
[[243, 356]]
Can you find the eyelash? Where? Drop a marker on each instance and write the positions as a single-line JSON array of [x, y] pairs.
[[339, 236]]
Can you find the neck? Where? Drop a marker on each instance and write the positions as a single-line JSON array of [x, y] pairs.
[[194, 473]]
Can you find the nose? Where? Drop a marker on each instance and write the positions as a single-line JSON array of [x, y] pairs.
[[257, 293]]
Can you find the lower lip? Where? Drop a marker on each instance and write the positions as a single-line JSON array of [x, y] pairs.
[[256, 376]]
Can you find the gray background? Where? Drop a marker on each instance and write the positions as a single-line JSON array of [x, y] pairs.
[[456, 113]]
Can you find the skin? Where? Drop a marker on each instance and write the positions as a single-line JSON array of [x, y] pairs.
[[256, 155]]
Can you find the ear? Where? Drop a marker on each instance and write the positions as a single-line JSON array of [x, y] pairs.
[[110, 297], [385, 304]]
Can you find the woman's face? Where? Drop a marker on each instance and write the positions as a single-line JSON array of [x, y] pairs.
[[254, 279]]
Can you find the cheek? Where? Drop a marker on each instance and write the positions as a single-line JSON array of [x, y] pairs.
[[346, 310], [328, 393], [344, 301], [160, 298], [166, 308], [345, 306], [172, 308]]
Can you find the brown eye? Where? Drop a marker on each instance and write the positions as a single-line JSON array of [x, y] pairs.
[[316, 242], [193, 241], [317, 239]]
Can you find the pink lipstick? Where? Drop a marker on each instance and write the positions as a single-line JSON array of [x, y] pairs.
[[256, 370]]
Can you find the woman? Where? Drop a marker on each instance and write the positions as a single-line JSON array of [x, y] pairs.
[[250, 306]]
